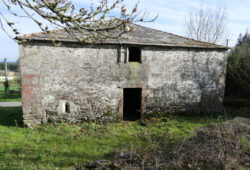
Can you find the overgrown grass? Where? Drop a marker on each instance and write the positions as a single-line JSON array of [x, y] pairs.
[[64, 146], [14, 94]]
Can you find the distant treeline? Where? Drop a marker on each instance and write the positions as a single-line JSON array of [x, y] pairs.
[[12, 66]]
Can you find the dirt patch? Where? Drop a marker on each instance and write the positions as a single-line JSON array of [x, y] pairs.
[[220, 146]]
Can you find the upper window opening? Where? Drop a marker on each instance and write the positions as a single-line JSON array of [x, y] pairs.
[[134, 54]]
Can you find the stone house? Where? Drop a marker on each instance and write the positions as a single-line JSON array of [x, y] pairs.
[[146, 72]]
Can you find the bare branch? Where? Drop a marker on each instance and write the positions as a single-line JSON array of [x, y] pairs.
[[97, 22], [207, 24]]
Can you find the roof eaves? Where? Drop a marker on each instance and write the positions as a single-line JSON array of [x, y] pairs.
[[131, 43]]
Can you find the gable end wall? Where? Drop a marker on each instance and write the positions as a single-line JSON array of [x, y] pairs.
[[92, 78]]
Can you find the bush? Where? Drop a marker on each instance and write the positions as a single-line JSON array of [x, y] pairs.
[[238, 70]]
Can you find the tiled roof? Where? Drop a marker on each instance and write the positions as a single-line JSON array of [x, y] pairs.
[[139, 35]]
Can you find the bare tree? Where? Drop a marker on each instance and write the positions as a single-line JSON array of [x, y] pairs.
[[207, 23], [95, 22]]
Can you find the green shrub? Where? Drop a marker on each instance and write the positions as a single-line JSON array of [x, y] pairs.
[[238, 69]]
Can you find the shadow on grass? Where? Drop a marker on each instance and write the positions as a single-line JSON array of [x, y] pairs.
[[237, 106], [237, 102], [11, 116], [13, 96]]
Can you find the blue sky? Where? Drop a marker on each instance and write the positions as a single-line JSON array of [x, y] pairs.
[[171, 19]]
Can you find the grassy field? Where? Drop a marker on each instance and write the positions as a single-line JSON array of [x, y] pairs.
[[65, 146], [14, 94]]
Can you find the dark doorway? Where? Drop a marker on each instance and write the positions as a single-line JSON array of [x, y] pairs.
[[132, 98]]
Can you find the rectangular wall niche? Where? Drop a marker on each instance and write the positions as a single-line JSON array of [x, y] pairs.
[[67, 107], [134, 54], [132, 102]]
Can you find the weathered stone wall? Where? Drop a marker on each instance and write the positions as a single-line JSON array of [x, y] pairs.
[[91, 80]]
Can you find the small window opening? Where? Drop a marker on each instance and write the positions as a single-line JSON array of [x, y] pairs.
[[67, 107], [132, 101], [134, 54]]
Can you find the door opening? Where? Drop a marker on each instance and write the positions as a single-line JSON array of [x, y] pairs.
[[132, 98]]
